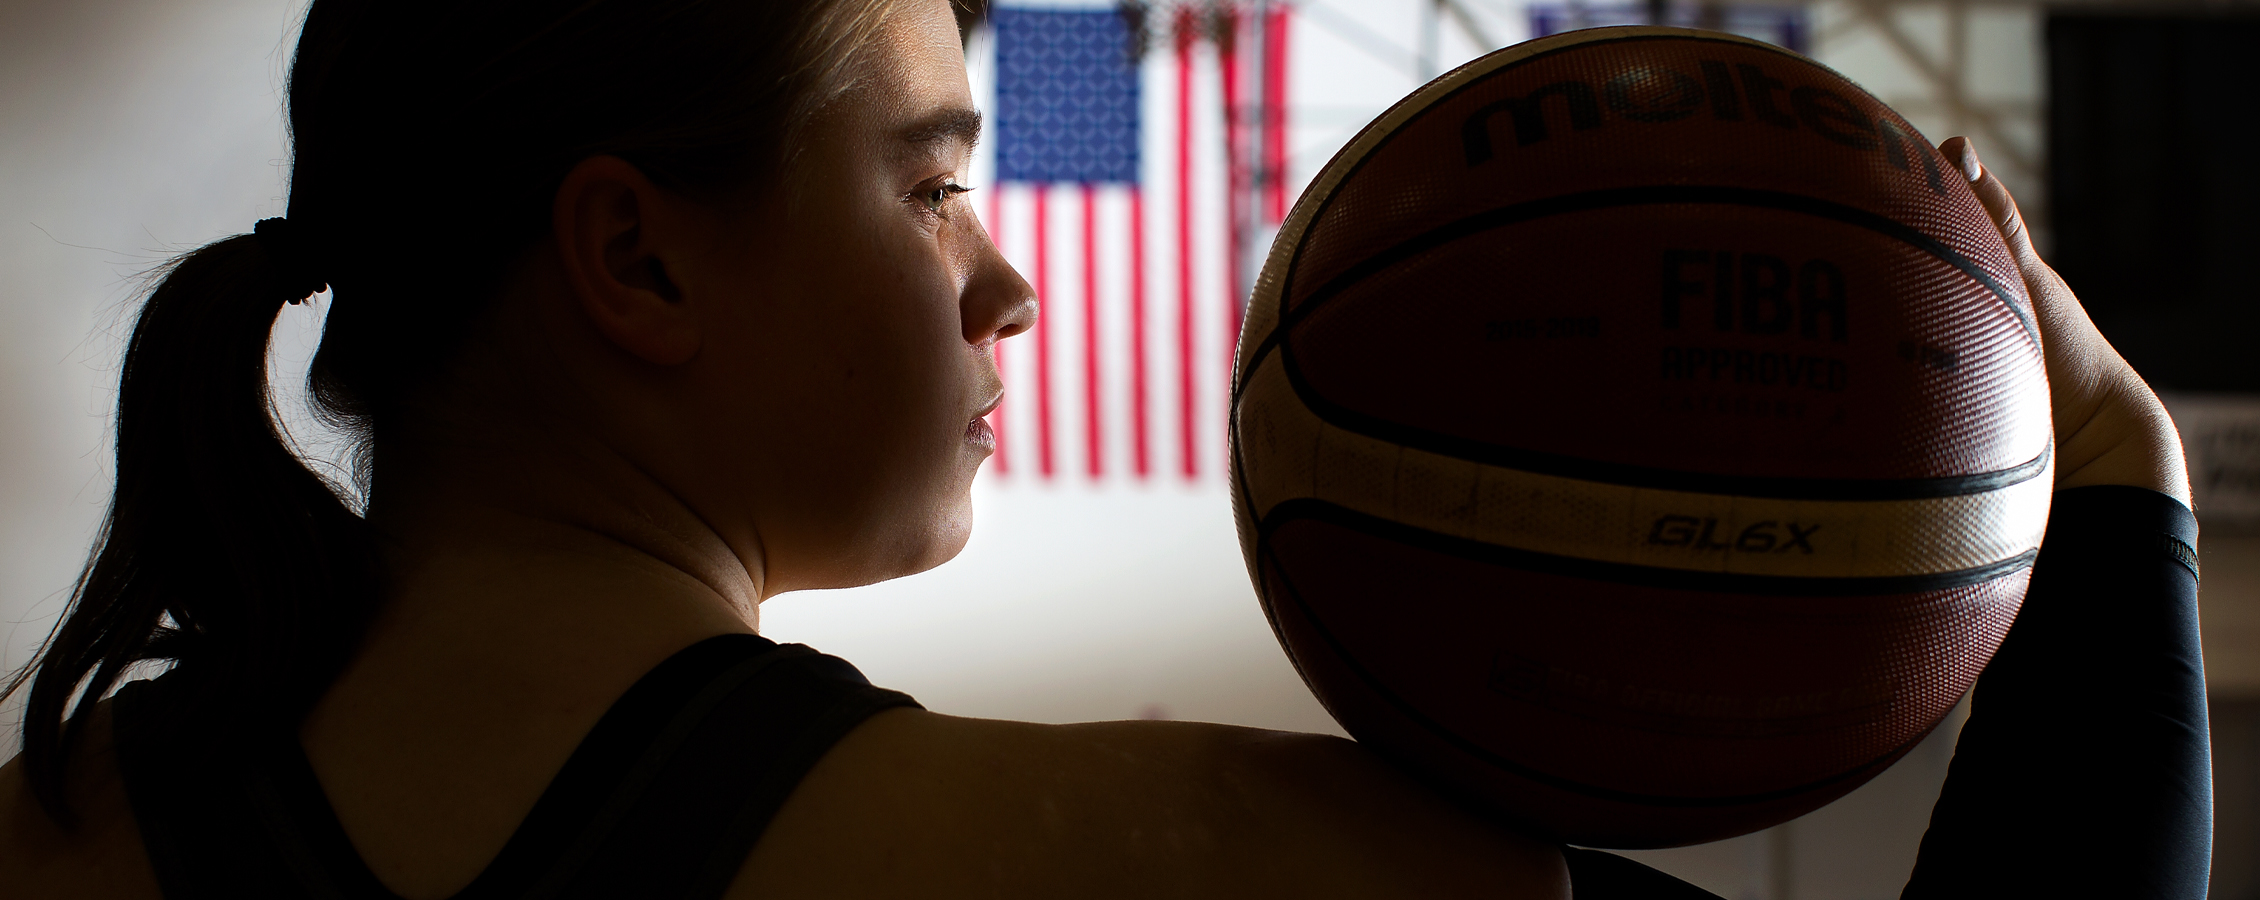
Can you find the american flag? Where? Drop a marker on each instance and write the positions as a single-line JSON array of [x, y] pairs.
[[1127, 189]]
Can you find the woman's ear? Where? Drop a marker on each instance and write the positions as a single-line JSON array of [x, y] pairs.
[[616, 233]]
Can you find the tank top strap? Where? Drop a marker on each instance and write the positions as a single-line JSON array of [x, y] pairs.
[[683, 821], [664, 797]]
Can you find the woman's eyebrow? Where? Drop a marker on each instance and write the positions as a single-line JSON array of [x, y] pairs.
[[957, 123]]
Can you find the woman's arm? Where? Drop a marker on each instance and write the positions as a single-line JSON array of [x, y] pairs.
[[2110, 427], [2085, 768], [916, 802]]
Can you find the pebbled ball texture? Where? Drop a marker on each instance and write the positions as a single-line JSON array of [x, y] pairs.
[[1641, 433]]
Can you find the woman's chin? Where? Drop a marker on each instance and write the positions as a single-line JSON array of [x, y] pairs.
[[949, 527], [951, 531]]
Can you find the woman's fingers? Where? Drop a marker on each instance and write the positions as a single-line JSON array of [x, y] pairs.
[[2110, 427], [2069, 339]]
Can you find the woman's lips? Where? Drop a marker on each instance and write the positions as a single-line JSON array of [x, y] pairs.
[[977, 432]]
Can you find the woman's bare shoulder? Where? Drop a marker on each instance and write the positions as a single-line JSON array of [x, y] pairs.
[[958, 805], [100, 857]]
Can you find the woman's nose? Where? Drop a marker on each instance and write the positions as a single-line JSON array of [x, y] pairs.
[[997, 302]]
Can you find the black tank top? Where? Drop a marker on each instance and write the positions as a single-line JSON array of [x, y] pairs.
[[664, 798]]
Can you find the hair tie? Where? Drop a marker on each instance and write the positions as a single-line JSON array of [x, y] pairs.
[[285, 246]]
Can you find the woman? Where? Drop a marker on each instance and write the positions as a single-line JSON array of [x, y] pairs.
[[648, 311]]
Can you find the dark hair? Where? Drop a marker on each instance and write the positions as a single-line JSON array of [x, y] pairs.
[[428, 138]]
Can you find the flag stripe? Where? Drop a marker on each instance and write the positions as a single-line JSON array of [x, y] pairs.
[[1044, 460], [1187, 418], [1139, 460], [1275, 112], [1094, 443], [1236, 186]]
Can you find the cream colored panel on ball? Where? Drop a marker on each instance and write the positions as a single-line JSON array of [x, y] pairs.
[[1275, 429], [1358, 472], [1438, 493], [1291, 454], [1561, 516]]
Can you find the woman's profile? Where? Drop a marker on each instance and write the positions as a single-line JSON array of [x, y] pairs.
[[645, 312]]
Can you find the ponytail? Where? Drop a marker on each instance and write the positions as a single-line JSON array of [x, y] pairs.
[[221, 550]]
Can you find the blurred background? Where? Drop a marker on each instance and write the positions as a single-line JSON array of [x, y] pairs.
[[1140, 157]]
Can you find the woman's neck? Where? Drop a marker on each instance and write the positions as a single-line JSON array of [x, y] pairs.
[[554, 540], [524, 594]]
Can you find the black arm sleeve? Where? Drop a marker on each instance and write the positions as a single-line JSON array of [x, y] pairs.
[[2085, 768]]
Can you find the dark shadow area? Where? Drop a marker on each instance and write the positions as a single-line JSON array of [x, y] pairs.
[[2153, 125], [2236, 798]]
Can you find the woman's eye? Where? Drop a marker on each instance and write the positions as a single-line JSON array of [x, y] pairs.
[[936, 197]]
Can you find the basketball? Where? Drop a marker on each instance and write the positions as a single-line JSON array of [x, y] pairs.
[[1641, 434]]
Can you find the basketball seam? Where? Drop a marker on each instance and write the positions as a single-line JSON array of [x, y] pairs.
[[1642, 476], [1302, 238], [1301, 223], [1469, 747], [1312, 508], [1629, 475], [1649, 195]]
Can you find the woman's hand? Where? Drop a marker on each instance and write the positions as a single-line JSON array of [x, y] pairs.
[[2110, 428]]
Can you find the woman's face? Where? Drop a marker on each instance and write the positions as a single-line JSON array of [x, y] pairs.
[[848, 387]]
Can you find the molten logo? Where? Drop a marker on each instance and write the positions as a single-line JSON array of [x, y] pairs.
[[1658, 95]]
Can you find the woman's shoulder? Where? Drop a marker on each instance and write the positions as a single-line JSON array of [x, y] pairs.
[[959, 805], [100, 856]]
